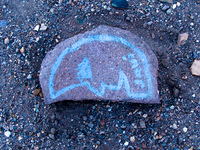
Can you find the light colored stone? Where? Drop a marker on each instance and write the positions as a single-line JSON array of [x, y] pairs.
[[22, 50], [7, 133], [184, 129], [182, 38], [36, 28], [132, 138], [175, 126], [195, 68], [6, 41], [43, 27], [167, 1]]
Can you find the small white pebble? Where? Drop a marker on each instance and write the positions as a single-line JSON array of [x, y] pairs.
[[175, 126], [126, 143], [7, 133], [19, 138], [36, 27], [172, 107], [174, 6], [132, 138], [191, 23], [184, 129], [197, 41], [29, 76], [178, 4], [145, 115], [193, 95]]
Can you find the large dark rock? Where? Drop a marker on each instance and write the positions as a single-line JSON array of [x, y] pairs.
[[106, 63]]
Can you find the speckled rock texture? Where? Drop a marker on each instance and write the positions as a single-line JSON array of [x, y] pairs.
[[106, 63]]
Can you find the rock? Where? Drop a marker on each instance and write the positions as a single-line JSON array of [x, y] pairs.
[[167, 1], [169, 11], [182, 38], [132, 138], [7, 133], [29, 76], [90, 125], [126, 143], [175, 126], [142, 124], [195, 68], [22, 50], [36, 28], [36, 92], [165, 8], [43, 27], [106, 63], [6, 41], [184, 129], [52, 136], [121, 4], [53, 130], [3, 23]]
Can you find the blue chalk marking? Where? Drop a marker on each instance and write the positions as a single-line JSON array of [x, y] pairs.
[[140, 82], [124, 58], [85, 71], [130, 56], [134, 63], [123, 80], [138, 72]]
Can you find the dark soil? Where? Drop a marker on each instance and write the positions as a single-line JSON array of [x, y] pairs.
[[173, 124]]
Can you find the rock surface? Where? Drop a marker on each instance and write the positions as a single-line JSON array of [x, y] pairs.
[[106, 63]]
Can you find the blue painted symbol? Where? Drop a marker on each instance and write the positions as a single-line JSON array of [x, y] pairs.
[[84, 70]]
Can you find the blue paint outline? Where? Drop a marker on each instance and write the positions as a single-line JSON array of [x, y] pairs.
[[123, 80]]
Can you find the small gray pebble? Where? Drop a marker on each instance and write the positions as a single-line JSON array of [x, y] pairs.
[[53, 130]]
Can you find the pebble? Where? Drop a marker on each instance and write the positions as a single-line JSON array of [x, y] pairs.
[[167, 1], [36, 28], [19, 138], [173, 6], [184, 129], [178, 4], [22, 50], [3, 23], [175, 126], [195, 68], [169, 11], [182, 38], [132, 138], [43, 27], [172, 107], [90, 125], [53, 130], [6, 41], [84, 118], [145, 115], [29, 76], [7, 133], [142, 124], [51, 136], [126, 143], [165, 8], [121, 4]]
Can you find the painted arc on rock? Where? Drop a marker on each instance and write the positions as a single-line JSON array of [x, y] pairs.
[[135, 84]]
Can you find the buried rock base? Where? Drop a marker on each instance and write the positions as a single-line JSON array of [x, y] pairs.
[[106, 63]]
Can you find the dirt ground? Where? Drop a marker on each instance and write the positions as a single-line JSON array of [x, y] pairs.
[[27, 123]]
